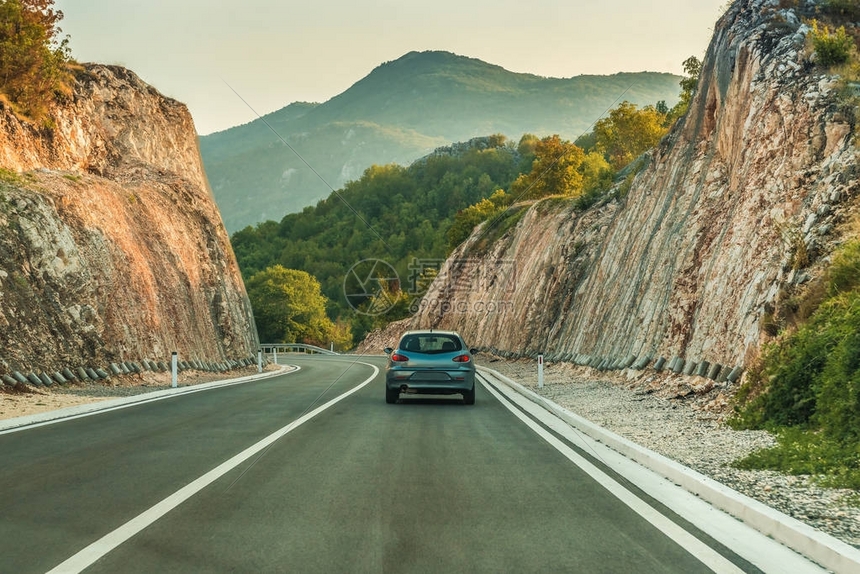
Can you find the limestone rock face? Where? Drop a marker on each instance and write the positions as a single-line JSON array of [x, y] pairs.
[[712, 232], [111, 246]]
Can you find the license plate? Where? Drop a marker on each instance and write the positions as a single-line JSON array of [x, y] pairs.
[[430, 376]]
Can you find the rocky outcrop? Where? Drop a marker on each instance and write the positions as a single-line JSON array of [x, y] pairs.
[[737, 200], [111, 246]]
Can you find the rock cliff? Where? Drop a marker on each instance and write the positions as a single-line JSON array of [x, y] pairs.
[[732, 212], [111, 246]]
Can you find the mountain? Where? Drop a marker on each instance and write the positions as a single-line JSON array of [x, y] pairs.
[[399, 112]]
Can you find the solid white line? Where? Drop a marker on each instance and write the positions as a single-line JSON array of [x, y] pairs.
[[685, 492], [105, 544], [37, 420], [701, 551]]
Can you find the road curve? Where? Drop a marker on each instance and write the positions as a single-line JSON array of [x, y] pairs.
[[426, 485]]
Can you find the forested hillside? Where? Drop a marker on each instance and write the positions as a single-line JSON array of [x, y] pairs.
[[401, 111], [408, 219], [392, 213]]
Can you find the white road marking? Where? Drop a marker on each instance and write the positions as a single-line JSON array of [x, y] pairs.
[[704, 553], [105, 544], [28, 422], [744, 539]]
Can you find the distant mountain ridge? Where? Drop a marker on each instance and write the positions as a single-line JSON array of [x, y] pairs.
[[399, 112]]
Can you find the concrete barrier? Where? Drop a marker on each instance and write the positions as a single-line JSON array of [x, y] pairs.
[[714, 371], [689, 367], [735, 374]]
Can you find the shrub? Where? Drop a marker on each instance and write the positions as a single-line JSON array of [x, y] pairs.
[[831, 48], [806, 452], [808, 385]]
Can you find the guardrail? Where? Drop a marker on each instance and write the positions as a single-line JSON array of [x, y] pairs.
[[272, 348]]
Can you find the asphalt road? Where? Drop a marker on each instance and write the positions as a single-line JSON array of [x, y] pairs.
[[426, 485]]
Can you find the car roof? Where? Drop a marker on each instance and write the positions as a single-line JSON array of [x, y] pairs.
[[430, 332]]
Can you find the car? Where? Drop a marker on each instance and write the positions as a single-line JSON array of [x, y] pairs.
[[430, 362]]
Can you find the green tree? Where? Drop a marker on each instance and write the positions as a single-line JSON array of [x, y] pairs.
[[689, 84], [466, 219], [288, 307], [34, 62], [627, 133], [596, 172], [341, 335], [554, 171]]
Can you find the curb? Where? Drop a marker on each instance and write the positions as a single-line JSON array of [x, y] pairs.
[[59, 415], [802, 538]]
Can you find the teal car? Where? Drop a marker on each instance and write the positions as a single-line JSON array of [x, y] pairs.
[[430, 363]]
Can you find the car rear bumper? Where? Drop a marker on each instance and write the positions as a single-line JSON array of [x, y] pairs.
[[458, 382]]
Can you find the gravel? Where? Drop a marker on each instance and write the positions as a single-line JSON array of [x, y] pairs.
[[682, 418]]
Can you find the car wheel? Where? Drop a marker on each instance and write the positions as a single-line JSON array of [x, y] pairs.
[[469, 397], [391, 395]]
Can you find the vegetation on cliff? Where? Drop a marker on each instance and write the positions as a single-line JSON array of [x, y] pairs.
[[806, 387], [34, 60], [396, 214], [412, 218]]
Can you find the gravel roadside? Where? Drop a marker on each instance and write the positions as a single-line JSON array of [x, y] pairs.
[[682, 418]]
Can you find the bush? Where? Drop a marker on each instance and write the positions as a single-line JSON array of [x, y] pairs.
[[831, 48], [808, 386], [806, 452]]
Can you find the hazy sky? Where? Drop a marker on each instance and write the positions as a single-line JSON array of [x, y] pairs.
[[274, 53]]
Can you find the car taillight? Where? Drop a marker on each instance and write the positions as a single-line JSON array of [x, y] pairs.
[[461, 359], [398, 358]]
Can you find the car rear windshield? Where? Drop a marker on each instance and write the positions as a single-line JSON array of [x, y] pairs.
[[430, 343]]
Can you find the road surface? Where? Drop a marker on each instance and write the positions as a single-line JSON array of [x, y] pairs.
[[426, 485]]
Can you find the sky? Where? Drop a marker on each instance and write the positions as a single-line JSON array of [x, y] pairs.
[[272, 53]]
